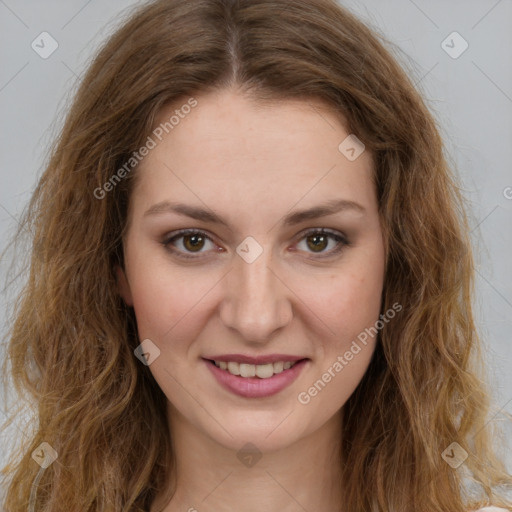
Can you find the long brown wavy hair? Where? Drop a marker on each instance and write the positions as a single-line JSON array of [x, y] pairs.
[[71, 338]]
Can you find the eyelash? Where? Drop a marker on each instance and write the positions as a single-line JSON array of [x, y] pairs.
[[340, 239]]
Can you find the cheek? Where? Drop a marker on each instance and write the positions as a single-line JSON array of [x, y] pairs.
[[360, 291], [165, 300], [351, 306], [346, 302]]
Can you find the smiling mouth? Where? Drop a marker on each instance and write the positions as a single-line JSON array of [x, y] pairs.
[[263, 371]]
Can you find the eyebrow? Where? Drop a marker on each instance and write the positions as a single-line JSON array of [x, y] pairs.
[[322, 210]]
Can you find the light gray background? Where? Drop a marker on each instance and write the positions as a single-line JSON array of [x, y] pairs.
[[471, 96]]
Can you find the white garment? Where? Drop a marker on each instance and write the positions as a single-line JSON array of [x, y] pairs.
[[491, 509]]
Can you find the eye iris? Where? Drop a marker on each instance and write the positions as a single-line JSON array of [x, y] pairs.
[[197, 242], [320, 242]]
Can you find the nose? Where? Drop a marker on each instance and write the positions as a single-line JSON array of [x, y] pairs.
[[257, 301]]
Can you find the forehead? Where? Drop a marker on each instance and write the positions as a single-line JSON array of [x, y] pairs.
[[227, 118], [232, 150]]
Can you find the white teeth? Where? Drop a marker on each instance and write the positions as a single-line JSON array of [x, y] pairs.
[[247, 370], [263, 371], [234, 368], [278, 367]]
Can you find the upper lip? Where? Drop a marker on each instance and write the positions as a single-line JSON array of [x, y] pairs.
[[241, 358]]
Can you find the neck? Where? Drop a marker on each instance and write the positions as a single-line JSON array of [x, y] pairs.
[[305, 475]]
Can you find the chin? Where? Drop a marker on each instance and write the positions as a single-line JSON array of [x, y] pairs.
[[267, 432]]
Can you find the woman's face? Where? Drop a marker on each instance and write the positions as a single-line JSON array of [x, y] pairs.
[[253, 281]]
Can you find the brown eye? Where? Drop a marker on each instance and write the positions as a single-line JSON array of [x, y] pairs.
[[317, 242], [193, 242], [188, 243]]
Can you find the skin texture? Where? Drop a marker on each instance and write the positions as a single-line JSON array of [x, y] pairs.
[[252, 165]]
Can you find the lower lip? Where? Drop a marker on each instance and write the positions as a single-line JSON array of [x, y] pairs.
[[254, 387]]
